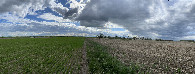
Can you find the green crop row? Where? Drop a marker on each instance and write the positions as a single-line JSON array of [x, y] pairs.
[[101, 62]]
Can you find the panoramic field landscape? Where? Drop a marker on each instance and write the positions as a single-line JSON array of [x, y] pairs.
[[80, 55], [97, 37]]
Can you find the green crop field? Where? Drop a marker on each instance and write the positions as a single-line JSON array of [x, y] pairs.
[[41, 55], [72, 55]]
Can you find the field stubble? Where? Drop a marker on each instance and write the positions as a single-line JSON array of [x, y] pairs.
[[155, 56]]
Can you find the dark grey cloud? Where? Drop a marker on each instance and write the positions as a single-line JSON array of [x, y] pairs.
[[71, 13], [66, 13], [165, 22], [61, 11], [98, 12], [127, 13], [132, 15], [180, 20]]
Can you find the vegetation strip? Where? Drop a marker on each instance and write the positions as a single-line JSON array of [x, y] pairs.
[[100, 61], [84, 63]]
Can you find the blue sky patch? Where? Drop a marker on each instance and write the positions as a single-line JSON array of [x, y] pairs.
[[63, 2], [41, 12], [5, 21], [47, 10], [117, 29]]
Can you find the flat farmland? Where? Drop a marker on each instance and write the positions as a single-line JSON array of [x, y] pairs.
[[153, 56], [79, 55], [41, 55]]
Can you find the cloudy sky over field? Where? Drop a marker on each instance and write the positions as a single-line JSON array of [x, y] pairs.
[[174, 19]]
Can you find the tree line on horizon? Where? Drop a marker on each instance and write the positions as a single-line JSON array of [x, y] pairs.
[[117, 37], [135, 38]]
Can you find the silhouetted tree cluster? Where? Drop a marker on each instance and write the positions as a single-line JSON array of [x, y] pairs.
[[109, 37], [117, 37], [188, 40], [100, 35], [162, 40], [148, 39], [134, 38]]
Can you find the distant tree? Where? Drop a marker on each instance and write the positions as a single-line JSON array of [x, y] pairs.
[[134, 38], [142, 38], [158, 39], [109, 37], [100, 35], [124, 38], [105, 36], [116, 36], [150, 38], [130, 38]]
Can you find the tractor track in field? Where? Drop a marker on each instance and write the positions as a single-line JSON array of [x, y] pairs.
[[84, 63]]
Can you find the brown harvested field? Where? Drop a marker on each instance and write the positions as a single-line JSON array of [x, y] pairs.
[[155, 56]]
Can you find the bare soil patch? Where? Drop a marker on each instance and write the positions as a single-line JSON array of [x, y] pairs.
[[84, 63], [156, 56]]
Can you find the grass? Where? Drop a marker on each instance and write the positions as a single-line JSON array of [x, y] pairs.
[[58, 55], [100, 61], [40, 55]]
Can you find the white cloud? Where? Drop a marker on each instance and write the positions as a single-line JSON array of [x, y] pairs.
[[18, 33], [153, 18], [112, 25], [80, 5], [71, 28], [22, 8], [49, 16], [74, 34], [187, 38]]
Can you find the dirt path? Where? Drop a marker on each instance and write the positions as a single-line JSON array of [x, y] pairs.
[[84, 64]]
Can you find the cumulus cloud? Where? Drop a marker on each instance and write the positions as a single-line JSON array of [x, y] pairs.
[[49, 16], [24, 27], [16, 25], [131, 14], [179, 19], [116, 11], [23, 7], [74, 10], [172, 19], [150, 18]]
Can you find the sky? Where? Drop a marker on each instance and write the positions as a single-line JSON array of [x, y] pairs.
[[173, 19]]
